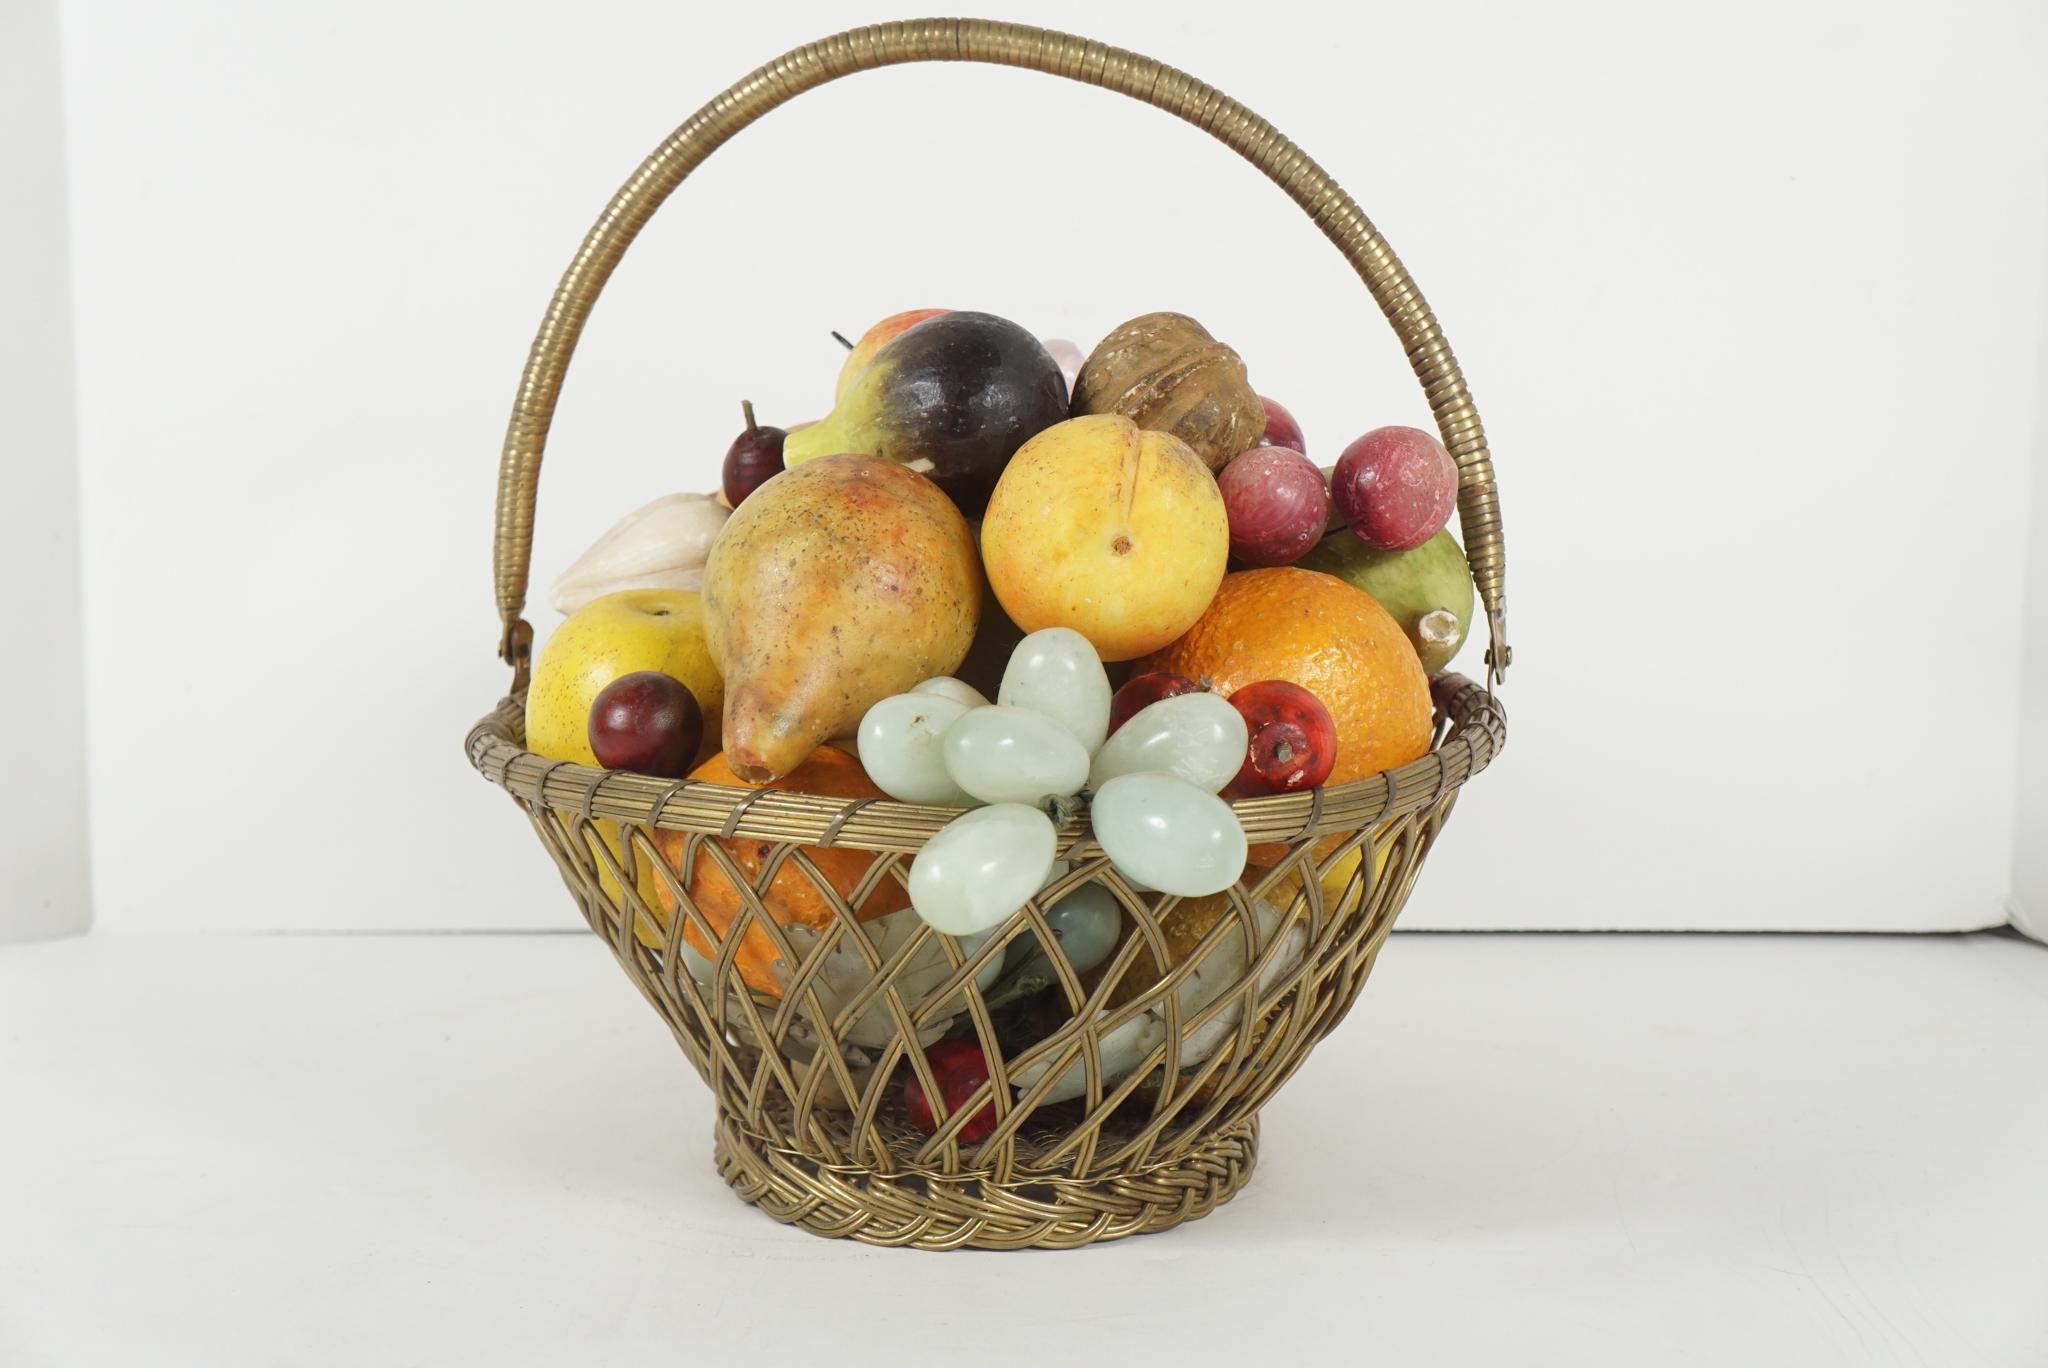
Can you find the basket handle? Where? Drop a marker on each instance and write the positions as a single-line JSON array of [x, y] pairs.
[[1061, 54]]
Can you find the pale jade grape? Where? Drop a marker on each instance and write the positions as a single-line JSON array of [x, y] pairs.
[[1197, 737], [959, 690], [1122, 1050], [1168, 834], [1013, 755], [981, 867], [991, 971], [902, 747], [1056, 673], [1085, 922]]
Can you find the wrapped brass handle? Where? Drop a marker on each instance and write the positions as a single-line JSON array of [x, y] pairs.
[[1061, 54]]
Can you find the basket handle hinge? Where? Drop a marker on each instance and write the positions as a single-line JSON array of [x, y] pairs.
[[515, 648], [1499, 655]]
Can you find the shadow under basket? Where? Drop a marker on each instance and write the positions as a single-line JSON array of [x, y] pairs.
[[1124, 1100]]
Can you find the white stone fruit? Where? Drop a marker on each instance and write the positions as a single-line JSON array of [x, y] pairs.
[[1122, 1050], [902, 747], [1086, 923], [1056, 673], [945, 686], [1168, 834], [1013, 755], [1220, 971], [981, 867], [1198, 737], [847, 974]]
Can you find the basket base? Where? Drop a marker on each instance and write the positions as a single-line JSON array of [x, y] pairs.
[[966, 1211]]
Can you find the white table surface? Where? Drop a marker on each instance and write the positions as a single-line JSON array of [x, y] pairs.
[[1517, 1150]]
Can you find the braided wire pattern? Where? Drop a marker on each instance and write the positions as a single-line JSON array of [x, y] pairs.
[[977, 1211]]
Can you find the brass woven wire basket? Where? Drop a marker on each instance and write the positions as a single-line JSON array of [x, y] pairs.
[[808, 1085]]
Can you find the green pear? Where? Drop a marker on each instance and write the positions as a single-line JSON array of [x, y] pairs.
[[1428, 590]]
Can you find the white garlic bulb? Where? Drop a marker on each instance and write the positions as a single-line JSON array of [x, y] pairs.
[[846, 974], [662, 545]]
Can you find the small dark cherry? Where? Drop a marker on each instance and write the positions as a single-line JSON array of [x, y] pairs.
[[753, 459], [648, 723]]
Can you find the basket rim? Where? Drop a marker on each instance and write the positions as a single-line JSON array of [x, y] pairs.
[[1472, 731]]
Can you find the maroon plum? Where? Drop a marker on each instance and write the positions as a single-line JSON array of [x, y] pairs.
[[1281, 429], [1396, 487], [1277, 505], [646, 722]]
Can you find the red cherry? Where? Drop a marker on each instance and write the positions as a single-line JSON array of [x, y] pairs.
[[1281, 429], [958, 1067], [1293, 743], [1396, 486], [648, 723], [753, 459], [1142, 691]]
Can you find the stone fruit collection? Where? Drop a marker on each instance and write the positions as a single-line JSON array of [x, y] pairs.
[[1007, 579]]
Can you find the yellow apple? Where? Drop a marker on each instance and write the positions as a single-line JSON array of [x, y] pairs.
[[1112, 530], [619, 634]]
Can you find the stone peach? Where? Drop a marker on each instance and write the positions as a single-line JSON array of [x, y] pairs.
[[1107, 528]]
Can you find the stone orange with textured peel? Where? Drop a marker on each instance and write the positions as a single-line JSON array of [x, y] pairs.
[[793, 897], [1333, 640]]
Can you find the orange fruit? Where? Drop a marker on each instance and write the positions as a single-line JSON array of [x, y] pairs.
[[793, 898], [1332, 639]]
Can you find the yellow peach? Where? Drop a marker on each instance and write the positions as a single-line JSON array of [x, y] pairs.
[[1112, 530]]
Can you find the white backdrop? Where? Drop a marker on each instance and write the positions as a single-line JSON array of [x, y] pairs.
[[43, 863], [2030, 811], [1749, 296]]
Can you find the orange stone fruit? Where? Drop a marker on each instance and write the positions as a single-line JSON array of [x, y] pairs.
[[793, 898], [1334, 640]]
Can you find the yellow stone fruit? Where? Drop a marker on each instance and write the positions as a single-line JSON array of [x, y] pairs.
[[1114, 531], [618, 634], [1336, 881]]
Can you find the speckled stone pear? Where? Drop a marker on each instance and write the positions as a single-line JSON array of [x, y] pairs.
[[835, 585]]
